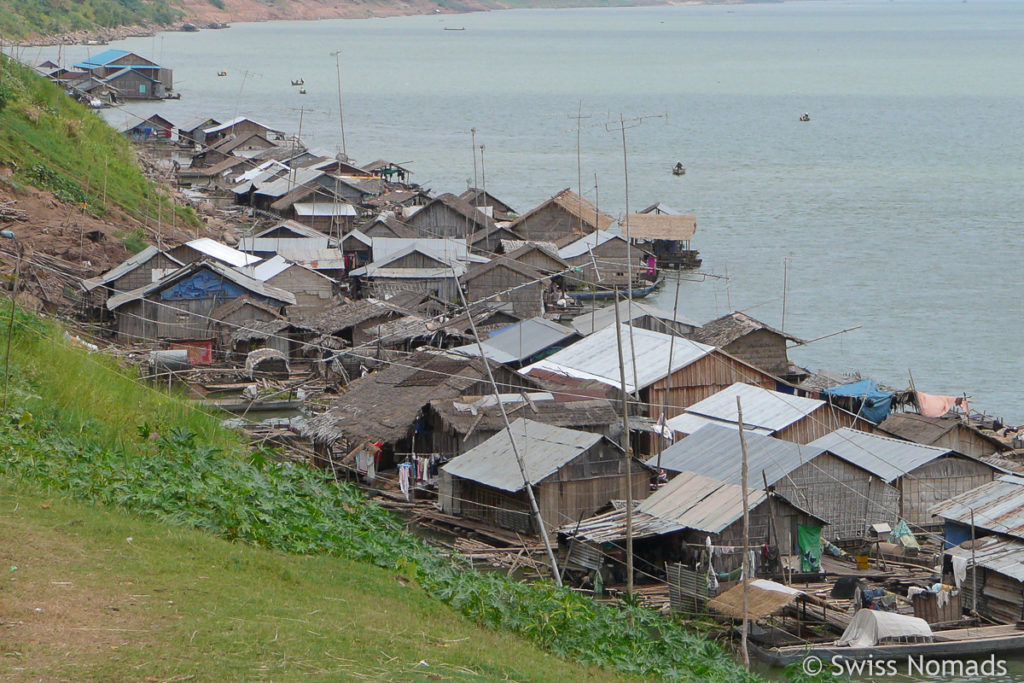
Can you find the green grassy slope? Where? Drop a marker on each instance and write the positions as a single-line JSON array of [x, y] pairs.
[[81, 428], [98, 595], [52, 142]]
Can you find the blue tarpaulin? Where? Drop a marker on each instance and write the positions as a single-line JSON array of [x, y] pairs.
[[875, 402]]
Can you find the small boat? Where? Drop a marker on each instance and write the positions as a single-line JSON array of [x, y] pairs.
[[222, 73], [299, 82], [610, 294], [805, 117], [679, 169], [302, 91], [461, 28]]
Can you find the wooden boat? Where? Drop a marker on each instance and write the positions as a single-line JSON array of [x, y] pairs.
[[222, 73], [462, 28], [805, 118], [302, 91], [955, 643], [234, 405], [585, 295], [679, 169], [299, 82]]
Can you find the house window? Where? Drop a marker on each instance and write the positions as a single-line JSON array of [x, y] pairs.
[[142, 88]]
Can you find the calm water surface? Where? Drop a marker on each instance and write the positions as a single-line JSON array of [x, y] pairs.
[[898, 206]]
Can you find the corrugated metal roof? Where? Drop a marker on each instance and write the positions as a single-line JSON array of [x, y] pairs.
[[299, 230], [124, 268], [688, 424], [269, 268], [884, 457], [240, 279], [689, 501], [520, 341], [442, 248], [279, 187], [222, 252], [1003, 555], [374, 271], [605, 316], [998, 506], [323, 209], [277, 245], [714, 451], [585, 243], [544, 449], [765, 410], [358, 235], [596, 357], [234, 122]]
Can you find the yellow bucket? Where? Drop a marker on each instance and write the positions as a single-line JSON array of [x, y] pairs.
[[862, 562]]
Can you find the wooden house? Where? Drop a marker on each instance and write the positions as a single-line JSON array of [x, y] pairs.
[[181, 305], [667, 236], [204, 248], [562, 215], [507, 281], [388, 226], [353, 322], [240, 125], [286, 236], [751, 340], [573, 475], [770, 413], [239, 313], [155, 127], [142, 269], [431, 266], [357, 248], [192, 131], [639, 314], [386, 406], [680, 517], [448, 216], [488, 241], [134, 76], [848, 496], [995, 560], [457, 425], [605, 260], [521, 343], [491, 205], [386, 170], [541, 256], [924, 475], [948, 431], [697, 371], [311, 289]]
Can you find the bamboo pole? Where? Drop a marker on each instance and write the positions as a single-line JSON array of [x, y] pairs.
[[745, 576], [628, 452], [974, 571]]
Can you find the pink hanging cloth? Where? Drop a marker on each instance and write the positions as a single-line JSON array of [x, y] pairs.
[[932, 405]]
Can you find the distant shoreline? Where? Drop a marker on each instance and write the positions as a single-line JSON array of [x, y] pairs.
[[201, 14]]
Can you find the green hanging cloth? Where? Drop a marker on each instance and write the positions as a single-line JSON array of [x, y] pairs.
[[809, 541]]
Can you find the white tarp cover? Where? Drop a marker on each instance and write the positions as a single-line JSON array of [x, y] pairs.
[[869, 626]]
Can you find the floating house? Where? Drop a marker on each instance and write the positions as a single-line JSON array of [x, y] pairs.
[[948, 431], [182, 304], [564, 215], [666, 235], [605, 260], [134, 77], [509, 282], [697, 370], [680, 517], [770, 413], [995, 563], [848, 496], [521, 343], [155, 127], [753, 341], [639, 314], [448, 216], [573, 474], [924, 475], [240, 125]]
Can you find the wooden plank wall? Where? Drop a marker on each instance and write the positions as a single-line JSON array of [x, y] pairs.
[[937, 481], [525, 300], [549, 225], [763, 349], [702, 378]]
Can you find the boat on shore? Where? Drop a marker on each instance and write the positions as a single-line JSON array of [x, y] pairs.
[[954, 643]]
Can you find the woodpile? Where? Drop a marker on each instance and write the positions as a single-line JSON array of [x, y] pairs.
[[9, 212]]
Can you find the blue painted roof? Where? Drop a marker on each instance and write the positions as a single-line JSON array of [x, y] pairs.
[[102, 59]]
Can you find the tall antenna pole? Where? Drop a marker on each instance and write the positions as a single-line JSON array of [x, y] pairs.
[[483, 173], [341, 116], [785, 288], [668, 378], [628, 447], [579, 167], [511, 437], [472, 132]]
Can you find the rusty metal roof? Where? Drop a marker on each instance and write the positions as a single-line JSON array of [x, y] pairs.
[[1003, 555], [888, 458], [998, 506]]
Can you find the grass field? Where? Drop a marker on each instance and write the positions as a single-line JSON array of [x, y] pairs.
[[95, 595]]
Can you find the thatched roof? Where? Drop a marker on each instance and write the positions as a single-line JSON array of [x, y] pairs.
[[575, 205], [469, 413], [258, 330], [651, 226], [349, 314], [763, 598], [384, 405], [723, 331], [928, 430], [232, 305]]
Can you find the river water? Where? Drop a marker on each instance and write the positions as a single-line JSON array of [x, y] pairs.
[[898, 207]]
